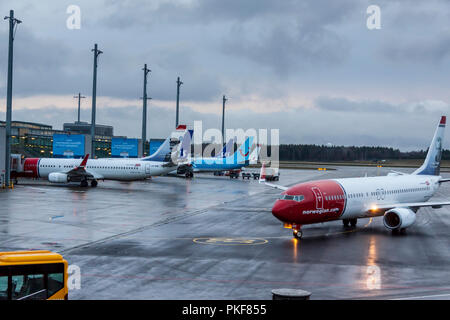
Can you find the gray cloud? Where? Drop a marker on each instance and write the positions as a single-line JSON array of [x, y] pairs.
[[345, 105], [293, 53], [407, 130]]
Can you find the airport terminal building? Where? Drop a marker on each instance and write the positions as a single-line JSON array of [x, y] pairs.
[[41, 140]]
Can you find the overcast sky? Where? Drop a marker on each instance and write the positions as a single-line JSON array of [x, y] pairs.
[[309, 68]]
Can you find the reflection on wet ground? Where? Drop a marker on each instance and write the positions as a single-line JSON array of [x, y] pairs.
[[215, 238]]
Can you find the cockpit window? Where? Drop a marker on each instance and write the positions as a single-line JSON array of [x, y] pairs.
[[297, 198]]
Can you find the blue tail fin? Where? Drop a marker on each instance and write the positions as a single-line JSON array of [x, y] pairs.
[[242, 154], [432, 163]]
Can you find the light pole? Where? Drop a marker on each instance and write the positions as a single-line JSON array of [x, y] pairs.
[[94, 99], [179, 83], [79, 97], [13, 22], [144, 108], [224, 100]]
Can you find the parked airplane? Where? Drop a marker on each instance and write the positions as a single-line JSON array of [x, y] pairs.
[[71, 170], [236, 161], [228, 148], [397, 197]]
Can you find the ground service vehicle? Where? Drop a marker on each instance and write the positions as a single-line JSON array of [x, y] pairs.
[[33, 275]]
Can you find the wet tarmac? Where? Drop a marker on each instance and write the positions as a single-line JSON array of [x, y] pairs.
[[215, 238]]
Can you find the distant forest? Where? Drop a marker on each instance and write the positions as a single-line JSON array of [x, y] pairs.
[[295, 152]]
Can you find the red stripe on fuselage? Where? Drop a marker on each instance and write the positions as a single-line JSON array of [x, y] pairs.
[[324, 200]]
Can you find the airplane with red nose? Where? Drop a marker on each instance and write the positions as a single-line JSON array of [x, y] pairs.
[[396, 197]]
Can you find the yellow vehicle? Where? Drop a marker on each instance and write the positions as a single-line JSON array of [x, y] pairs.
[[33, 275]]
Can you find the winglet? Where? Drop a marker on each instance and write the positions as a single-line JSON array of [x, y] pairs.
[[85, 159], [262, 174]]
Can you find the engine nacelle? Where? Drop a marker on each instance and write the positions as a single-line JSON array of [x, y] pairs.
[[399, 218], [58, 177]]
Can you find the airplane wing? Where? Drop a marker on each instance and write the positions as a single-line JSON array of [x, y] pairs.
[[276, 186], [80, 171], [95, 175], [413, 205], [262, 178]]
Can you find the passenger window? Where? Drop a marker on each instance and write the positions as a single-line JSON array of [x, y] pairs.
[[29, 287], [4, 288], [55, 283]]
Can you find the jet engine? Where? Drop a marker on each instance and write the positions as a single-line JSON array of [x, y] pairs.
[[58, 177], [399, 218]]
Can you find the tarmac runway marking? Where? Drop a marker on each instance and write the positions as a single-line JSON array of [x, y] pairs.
[[230, 241]]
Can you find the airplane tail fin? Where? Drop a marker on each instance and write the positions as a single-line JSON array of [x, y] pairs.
[[242, 154], [163, 154], [228, 149], [255, 154], [432, 163], [185, 147]]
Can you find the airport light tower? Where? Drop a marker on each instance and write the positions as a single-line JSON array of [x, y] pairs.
[[79, 97], [144, 108], [179, 83], [97, 52], [13, 22], [224, 100]]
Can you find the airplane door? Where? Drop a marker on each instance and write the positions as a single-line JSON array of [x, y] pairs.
[[319, 197], [147, 168]]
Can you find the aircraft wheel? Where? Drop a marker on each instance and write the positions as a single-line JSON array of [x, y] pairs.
[[353, 222], [94, 183], [298, 234], [346, 222], [84, 183]]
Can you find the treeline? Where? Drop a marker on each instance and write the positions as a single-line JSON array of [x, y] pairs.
[[295, 152]]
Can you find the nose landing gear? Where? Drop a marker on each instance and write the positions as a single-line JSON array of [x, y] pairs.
[[297, 231], [298, 234]]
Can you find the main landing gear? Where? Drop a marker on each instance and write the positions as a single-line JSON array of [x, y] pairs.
[[351, 222], [85, 183]]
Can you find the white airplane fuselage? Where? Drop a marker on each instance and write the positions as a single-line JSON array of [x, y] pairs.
[[362, 194], [104, 169], [349, 198]]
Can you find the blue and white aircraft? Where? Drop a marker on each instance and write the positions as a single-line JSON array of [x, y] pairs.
[[236, 161]]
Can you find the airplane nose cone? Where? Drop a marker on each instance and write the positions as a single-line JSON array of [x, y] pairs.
[[281, 211]]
